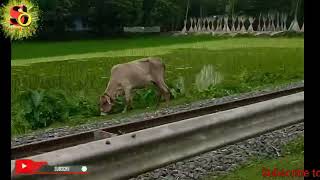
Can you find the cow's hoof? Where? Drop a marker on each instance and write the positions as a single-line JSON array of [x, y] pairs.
[[103, 114]]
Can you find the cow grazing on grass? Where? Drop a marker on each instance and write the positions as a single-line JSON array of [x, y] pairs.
[[133, 75]]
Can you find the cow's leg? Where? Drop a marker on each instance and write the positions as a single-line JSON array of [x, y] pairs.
[[163, 89], [127, 92], [158, 93]]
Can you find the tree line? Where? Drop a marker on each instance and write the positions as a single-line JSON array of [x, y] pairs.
[[108, 17]]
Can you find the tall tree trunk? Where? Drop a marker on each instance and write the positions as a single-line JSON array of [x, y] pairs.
[[297, 9], [186, 18], [187, 11], [295, 25], [232, 4]]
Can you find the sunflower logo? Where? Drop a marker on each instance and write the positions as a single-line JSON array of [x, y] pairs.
[[19, 19]]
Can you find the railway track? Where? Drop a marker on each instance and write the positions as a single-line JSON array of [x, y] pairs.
[[41, 147], [142, 146]]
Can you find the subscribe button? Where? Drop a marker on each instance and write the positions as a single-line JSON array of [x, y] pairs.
[[27, 166]]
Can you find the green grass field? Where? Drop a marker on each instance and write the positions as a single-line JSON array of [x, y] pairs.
[[45, 49], [34, 52], [292, 159], [243, 64]]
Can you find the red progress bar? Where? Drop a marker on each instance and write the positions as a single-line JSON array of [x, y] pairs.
[[61, 173]]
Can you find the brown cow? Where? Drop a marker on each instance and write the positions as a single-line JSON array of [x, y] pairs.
[[133, 75]]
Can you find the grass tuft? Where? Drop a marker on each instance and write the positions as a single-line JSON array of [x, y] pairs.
[[292, 159]]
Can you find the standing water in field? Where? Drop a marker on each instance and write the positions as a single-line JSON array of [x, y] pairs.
[[207, 77]]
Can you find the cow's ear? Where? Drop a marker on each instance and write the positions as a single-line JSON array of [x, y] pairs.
[[106, 98], [103, 99]]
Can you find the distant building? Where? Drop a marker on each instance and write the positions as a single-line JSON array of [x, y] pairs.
[[140, 29]]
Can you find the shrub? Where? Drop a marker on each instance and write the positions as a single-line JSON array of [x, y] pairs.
[[82, 106], [41, 108], [18, 124], [254, 77], [146, 98], [177, 88], [224, 89]]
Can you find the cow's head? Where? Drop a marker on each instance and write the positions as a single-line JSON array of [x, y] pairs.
[[105, 104]]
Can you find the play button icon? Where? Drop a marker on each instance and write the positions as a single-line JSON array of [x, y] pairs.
[[27, 166]]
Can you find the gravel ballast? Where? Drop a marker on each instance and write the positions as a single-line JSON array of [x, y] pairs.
[[226, 159]]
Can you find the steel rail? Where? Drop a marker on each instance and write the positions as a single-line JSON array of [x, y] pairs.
[[134, 153], [84, 137]]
